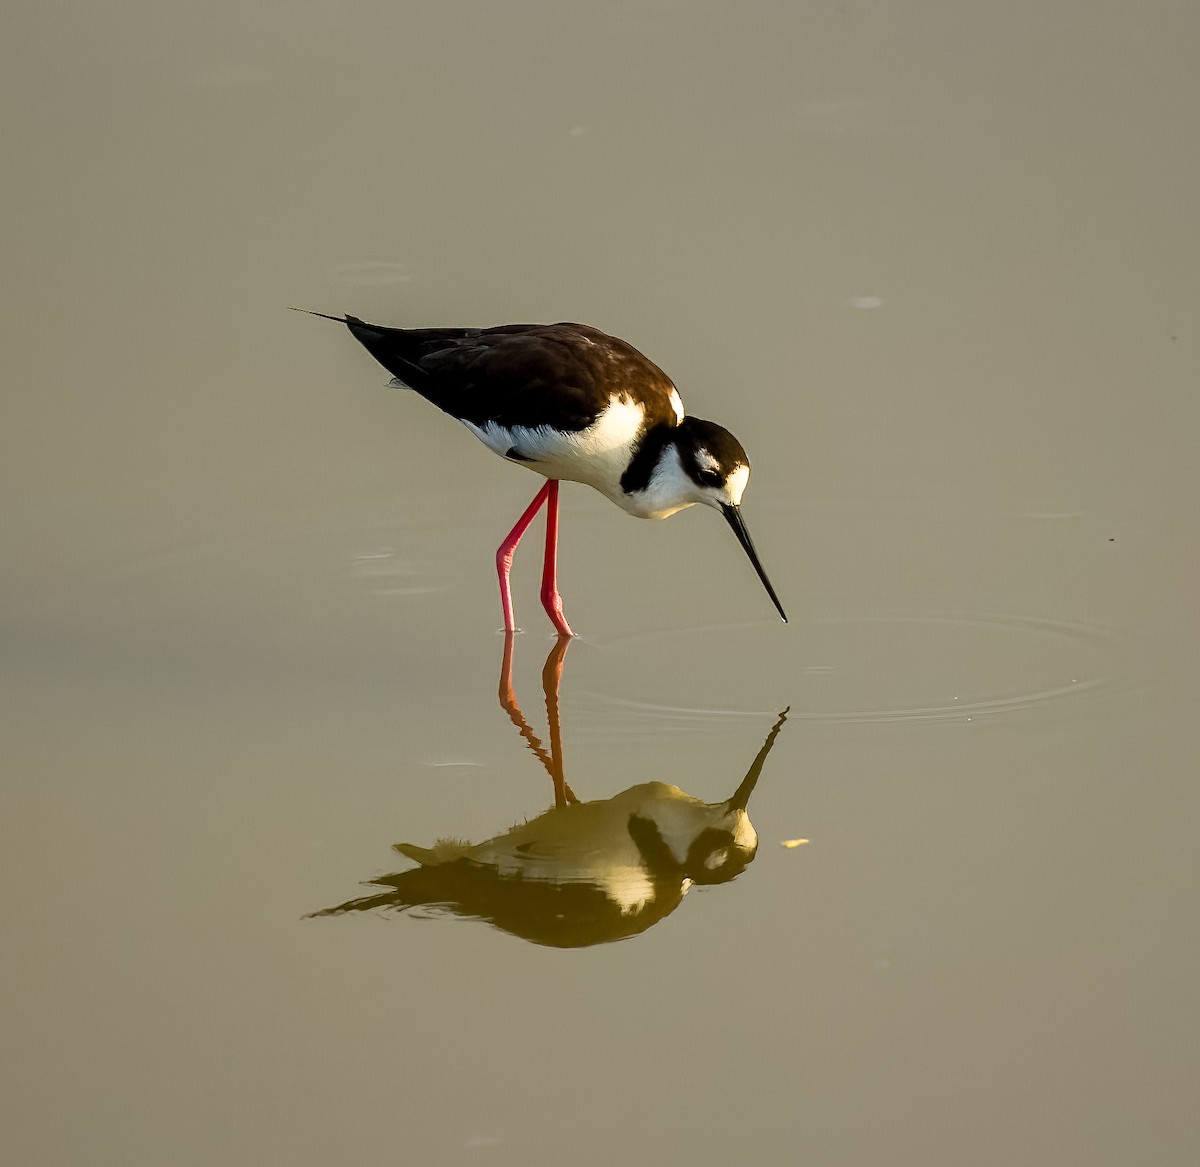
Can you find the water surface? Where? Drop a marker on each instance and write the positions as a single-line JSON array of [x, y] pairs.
[[934, 266]]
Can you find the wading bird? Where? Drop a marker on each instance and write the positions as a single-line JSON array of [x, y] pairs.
[[570, 403]]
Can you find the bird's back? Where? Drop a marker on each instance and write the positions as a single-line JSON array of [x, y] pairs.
[[522, 374]]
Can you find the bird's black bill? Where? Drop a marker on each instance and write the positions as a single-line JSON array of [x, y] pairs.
[[734, 517]]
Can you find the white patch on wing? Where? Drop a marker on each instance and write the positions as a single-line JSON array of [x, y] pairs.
[[677, 403]]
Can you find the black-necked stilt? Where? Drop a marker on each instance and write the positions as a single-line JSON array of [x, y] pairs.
[[570, 402]]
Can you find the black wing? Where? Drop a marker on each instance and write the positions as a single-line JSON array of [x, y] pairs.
[[520, 374]]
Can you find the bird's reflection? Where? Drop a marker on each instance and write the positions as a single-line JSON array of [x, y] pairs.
[[580, 873]]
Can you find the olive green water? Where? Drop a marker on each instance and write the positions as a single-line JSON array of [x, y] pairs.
[[934, 265]]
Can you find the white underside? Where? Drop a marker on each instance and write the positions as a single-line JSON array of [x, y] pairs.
[[596, 456]]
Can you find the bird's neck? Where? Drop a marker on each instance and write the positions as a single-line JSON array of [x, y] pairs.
[[655, 484]]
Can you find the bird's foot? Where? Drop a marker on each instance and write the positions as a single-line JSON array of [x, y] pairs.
[[552, 602]]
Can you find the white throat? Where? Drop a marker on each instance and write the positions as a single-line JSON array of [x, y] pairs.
[[669, 489]]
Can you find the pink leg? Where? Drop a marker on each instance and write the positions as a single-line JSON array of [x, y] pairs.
[[551, 600], [504, 553]]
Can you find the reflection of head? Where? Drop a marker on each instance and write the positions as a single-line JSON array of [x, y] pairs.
[[716, 854], [717, 857]]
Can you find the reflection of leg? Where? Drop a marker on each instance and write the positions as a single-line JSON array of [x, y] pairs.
[[504, 553], [551, 600], [508, 702], [551, 677], [508, 699]]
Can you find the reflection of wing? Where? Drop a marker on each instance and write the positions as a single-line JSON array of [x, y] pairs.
[[557, 915], [443, 851], [578, 841], [520, 374]]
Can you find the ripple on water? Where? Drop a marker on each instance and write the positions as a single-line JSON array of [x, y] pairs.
[[890, 668]]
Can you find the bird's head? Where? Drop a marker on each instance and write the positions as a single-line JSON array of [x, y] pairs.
[[702, 462], [713, 463]]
